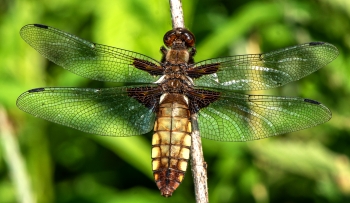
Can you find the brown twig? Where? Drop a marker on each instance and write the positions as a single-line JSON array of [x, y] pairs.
[[198, 165], [177, 17]]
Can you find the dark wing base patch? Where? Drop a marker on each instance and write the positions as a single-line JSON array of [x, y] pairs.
[[148, 96], [200, 98]]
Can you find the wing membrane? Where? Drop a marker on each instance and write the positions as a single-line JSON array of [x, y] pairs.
[[239, 117], [269, 70], [106, 111], [87, 59]]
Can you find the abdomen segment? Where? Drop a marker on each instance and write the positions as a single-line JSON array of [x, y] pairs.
[[171, 142]]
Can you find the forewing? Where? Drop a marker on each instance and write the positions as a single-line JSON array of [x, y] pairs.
[[106, 111], [264, 71], [239, 117], [87, 59]]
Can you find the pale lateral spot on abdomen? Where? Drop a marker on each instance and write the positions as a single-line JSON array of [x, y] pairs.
[[171, 142]]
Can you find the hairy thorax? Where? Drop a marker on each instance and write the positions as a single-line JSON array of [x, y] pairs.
[[175, 74]]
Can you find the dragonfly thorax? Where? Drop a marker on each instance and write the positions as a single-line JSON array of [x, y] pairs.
[[177, 56]]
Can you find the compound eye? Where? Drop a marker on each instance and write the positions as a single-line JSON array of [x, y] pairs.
[[169, 38], [189, 38]]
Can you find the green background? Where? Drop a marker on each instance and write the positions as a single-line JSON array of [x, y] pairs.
[[66, 165]]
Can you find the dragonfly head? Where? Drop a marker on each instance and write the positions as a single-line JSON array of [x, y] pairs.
[[179, 37]]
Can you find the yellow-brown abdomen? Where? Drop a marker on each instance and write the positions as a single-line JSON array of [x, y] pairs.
[[171, 142]]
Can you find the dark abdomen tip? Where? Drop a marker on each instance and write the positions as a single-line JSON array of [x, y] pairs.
[[166, 193]]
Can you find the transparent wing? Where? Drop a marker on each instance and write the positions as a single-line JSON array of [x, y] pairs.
[[264, 71], [106, 111], [87, 59], [239, 117]]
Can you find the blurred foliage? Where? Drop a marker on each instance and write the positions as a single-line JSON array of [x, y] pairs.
[[65, 165]]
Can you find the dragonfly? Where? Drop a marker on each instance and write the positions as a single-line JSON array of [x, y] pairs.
[[161, 96]]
